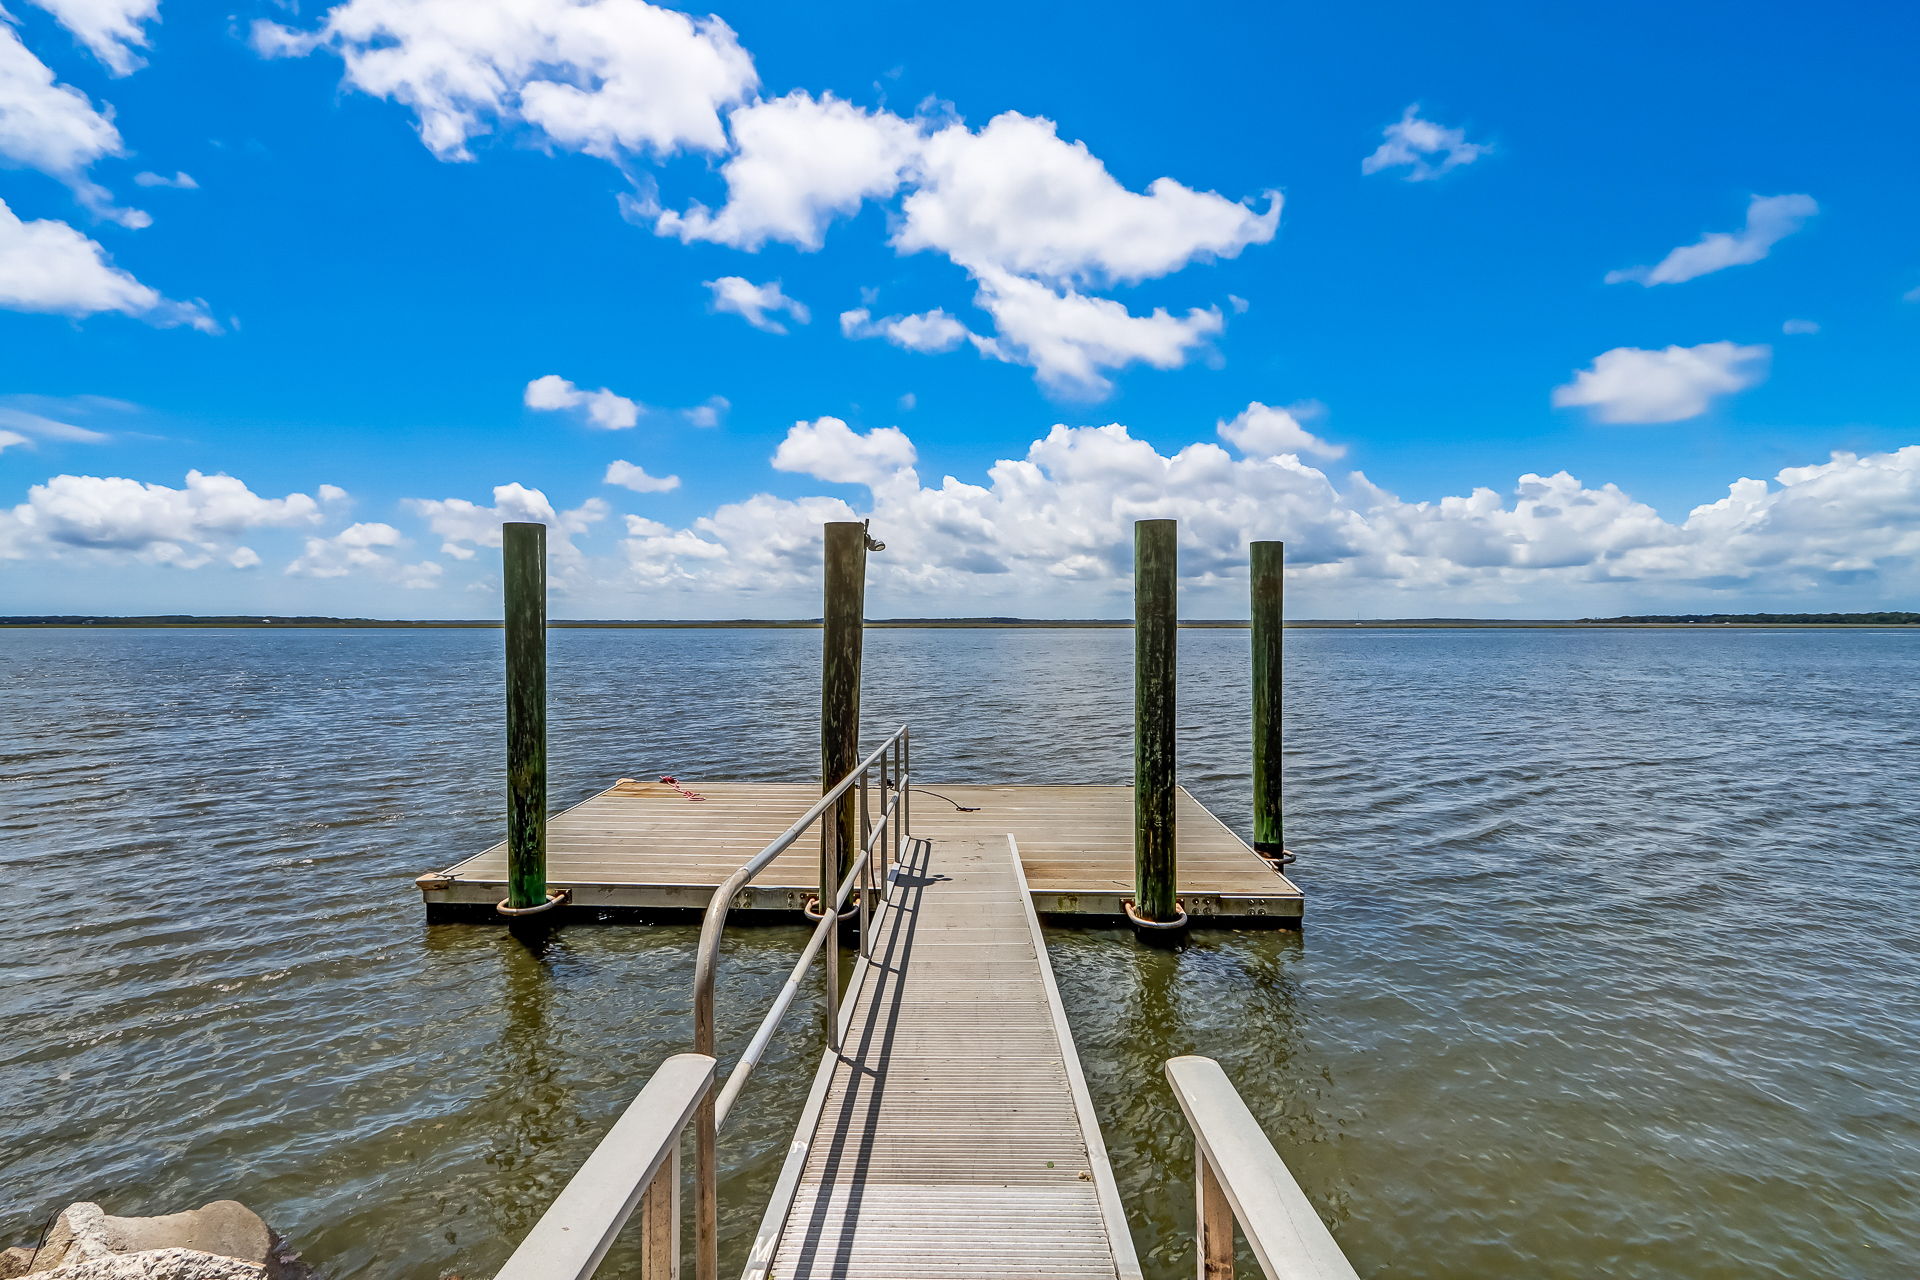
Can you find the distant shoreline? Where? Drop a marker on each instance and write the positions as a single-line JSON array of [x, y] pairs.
[[182, 622]]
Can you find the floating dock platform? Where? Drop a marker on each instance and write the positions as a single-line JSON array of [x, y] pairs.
[[646, 846]]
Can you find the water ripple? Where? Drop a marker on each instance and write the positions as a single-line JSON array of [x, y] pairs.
[[1608, 970]]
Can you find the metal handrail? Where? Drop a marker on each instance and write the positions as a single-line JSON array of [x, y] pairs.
[[1239, 1177], [637, 1165], [887, 833]]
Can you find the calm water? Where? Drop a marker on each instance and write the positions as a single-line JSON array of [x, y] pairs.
[[1610, 969]]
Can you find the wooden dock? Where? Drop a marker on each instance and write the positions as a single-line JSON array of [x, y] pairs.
[[951, 1136], [645, 845]]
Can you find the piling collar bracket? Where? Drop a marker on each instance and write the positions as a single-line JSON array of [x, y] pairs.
[[554, 898]]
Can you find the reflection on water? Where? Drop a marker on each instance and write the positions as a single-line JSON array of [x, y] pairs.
[[1608, 970]]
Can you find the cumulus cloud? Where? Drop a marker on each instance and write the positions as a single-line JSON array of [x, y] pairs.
[[601, 408], [363, 550], [1050, 531], [53, 127], [114, 516], [1262, 431], [110, 29], [1770, 219], [757, 304], [630, 476], [1630, 384], [799, 162], [1423, 148], [1072, 340], [464, 526], [48, 266], [1037, 220], [1016, 197], [611, 78], [828, 449], [929, 331]]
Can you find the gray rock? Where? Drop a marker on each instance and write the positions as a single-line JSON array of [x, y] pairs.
[[157, 1264], [222, 1240], [85, 1232]]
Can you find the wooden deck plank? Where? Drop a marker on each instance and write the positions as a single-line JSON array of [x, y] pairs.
[[955, 1140], [645, 845]]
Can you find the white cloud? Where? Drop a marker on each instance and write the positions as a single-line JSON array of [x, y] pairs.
[[828, 449], [708, 414], [930, 331], [41, 426], [180, 180], [110, 515], [111, 29], [48, 266], [1800, 327], [798, 163], [1770, 219], [1072, 339], [366, 550], [600, 408], [1424, 149], [1630, 384], [1261, 431], [629, 476], [464, 527], [1049, 533], [757, 304], [53, 128], [1037, 220], [1015, 197], [13, 440], [612, 78]]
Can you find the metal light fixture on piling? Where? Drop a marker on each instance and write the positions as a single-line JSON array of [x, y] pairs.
[[523, 577], [1155, 630], [1266, 573]]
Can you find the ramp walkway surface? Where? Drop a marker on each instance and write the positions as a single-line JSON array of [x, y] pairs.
[[950, 1137]]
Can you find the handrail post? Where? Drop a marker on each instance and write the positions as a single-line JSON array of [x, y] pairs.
[[1213, 1222], [1155, 631], [523, 579], [660, 1222], [634, 1168], [900, 811], [1241, 1180], [1266, 571], [833, 970], [866, 868]]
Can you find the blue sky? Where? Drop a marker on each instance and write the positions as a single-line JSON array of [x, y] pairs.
[[347, 324]]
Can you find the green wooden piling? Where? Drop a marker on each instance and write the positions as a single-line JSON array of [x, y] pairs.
[[1267, 562], [1155, 627], [523, 561], [840, 632]]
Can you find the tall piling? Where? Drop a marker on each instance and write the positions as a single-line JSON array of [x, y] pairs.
[[523, 563], [840, 637], [1266, 564], [1155, 629]]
